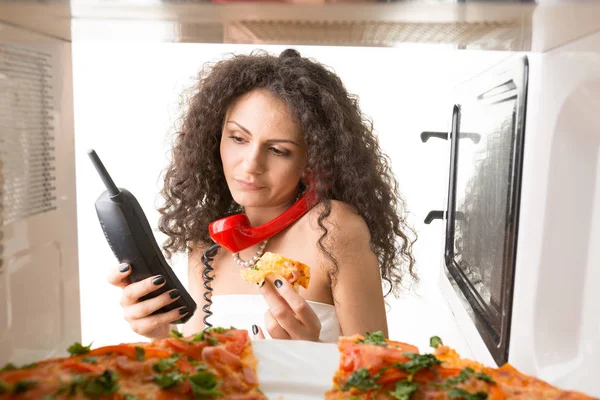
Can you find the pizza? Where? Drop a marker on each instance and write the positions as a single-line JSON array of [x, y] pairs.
[[218, 363], [372, 367], [295, 272]]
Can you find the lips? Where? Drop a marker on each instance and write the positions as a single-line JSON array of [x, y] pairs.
[[248, 185]]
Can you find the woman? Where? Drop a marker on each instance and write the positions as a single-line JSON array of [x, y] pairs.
[[257, 128]]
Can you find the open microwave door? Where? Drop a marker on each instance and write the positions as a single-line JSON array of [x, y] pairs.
[[482, 216]]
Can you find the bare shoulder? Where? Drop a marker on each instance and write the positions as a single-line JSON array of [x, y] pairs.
[[344, 224], [347, 237]]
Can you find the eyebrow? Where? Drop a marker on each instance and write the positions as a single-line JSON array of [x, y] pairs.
[[270, 140]]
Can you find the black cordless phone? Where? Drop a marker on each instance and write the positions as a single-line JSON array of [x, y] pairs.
[[131, 239]]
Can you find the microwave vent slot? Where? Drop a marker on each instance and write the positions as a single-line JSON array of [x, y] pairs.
[[27, 148], [500, 34]]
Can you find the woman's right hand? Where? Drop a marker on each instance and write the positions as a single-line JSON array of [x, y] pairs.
[[138, 313]]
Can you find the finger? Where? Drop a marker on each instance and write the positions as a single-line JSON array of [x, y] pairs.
[[146, 325], [294, 277], [133, 292], [257, 333], [279, 308], [301, 310], [274, 327], [119, 276], [145, 308]]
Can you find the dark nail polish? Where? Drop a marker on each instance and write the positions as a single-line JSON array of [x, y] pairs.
[[124, 268], [255, 329], [183, 310], [173, 294], [159, 280], [278, 283]]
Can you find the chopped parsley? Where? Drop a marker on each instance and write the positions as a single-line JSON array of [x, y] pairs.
[[4, 387], [8, 367], [435, 341], [169, 379], [105, 384], [128, 396], [77, 349], [484, 377], [375, 338], [218, 329], [404, 390], [140, 353], [197, 365], [90, 360], [166, 364], [418, 362], [457, 393], [362, 380], [77, 381], [463, 376], [200, 367], [13, 367], [23, 386], [92, 386], [176, 334], [205, 383], [199, 337]]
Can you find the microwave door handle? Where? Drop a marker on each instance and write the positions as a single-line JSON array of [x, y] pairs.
[[439, 135], [434, 214], [425, 136], [475, 137]]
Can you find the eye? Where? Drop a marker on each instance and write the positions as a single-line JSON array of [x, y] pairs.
[[278, 152], [237, 139]]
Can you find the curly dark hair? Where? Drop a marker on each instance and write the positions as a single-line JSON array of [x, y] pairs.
[[340, 143]]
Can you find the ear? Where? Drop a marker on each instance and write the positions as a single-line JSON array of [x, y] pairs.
[[308, 176]]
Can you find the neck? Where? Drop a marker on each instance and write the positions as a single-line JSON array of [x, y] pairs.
[[261, 215]]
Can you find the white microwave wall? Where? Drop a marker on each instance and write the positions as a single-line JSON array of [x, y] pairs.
[[556, 304]]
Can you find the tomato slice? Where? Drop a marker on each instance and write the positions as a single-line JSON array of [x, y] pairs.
[[14, 376], [235, 340], [185, 366], [193, 350], [79, 366], [129, 350], [169, 395], [403, 346]]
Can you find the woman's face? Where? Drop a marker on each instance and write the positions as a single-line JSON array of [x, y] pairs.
[[262, 150]]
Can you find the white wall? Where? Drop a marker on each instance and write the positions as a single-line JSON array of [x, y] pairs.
[[126, 100]]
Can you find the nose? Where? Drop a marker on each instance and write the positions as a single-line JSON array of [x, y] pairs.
[[253, 162]]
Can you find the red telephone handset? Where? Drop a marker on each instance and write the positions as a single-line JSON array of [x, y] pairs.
[[235, 232]]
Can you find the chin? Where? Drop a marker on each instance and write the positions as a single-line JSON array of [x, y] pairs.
[[246, 199]]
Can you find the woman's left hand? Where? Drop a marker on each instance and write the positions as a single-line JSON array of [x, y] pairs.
[[289, 316]]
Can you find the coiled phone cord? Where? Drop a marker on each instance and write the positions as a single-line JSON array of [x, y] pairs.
[[207, 259]]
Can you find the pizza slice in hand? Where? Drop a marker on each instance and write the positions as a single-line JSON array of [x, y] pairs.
[[295, 272]]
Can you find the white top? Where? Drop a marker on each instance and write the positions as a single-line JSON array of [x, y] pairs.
[[244, 310]]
